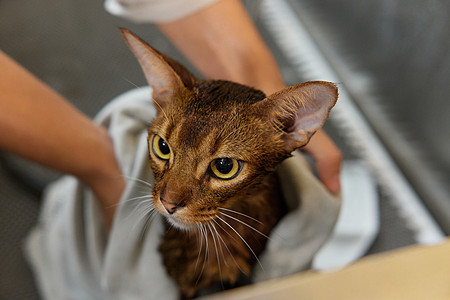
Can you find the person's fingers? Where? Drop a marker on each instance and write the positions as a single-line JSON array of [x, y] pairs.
[[328, 159]]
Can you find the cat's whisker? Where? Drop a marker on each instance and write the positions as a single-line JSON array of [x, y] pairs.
[[201, 236], [143, 213], [231, 236], [245, 242], [146, 191], [131, 200], [206, 253], [143, 202], [130, 82], [171, 226], [147, 184], [226, 247], [113, 205], [239, 213], [245, 224], [143, 197], [148, 215], [218, 242], [148, 221], [217, 253], [148, 207], [162, 110]]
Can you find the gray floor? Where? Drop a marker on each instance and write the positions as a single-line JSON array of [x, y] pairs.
[[19, 208], [75, 47]]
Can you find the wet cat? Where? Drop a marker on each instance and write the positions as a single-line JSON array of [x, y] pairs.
[[214, 147]]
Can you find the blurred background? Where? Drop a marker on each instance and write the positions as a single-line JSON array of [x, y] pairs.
[[392, 58]]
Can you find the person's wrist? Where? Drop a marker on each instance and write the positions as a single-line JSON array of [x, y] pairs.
[[103, 175]]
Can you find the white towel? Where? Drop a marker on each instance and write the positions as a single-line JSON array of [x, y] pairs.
[[73, 258]]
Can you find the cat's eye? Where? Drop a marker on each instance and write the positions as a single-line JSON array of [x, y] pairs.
[[160, 148], [225, 168]]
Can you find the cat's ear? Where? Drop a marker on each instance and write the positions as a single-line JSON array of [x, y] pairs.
[[163, 74], [299, 110]]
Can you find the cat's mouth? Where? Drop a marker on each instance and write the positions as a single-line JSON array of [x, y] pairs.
[[181, 224], [187, 224], [183, 219]]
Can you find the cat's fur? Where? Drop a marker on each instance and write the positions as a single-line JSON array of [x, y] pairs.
[[217, 226]]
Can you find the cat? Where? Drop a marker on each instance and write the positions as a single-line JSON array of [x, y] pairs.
[[214, 146]]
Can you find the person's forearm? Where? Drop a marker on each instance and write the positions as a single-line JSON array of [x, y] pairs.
[[222, 42], [40, 125]]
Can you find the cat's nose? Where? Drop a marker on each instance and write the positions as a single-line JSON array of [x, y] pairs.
[[170, 207]]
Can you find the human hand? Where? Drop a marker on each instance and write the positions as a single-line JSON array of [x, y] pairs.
[[107, 188], [328, 159], [103, 176]]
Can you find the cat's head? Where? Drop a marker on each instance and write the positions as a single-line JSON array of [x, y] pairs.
[[214, 140]]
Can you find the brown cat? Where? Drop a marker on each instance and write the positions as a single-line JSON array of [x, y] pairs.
[[214, 147]]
